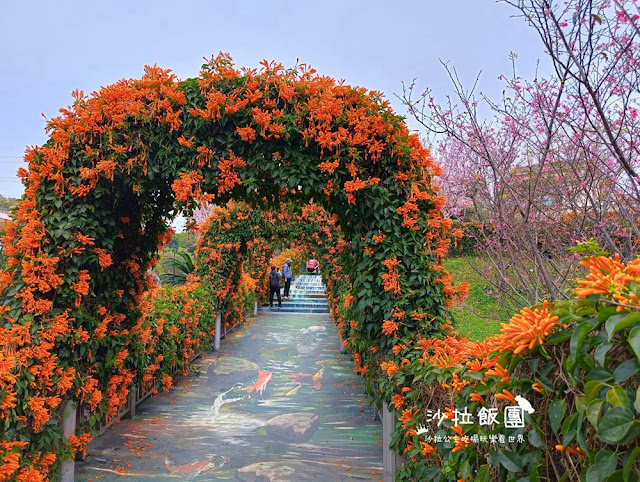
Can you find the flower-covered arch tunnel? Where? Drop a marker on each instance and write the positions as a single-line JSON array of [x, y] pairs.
[[121, 163]]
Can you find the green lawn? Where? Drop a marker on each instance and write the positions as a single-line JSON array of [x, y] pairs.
[[480, 315]]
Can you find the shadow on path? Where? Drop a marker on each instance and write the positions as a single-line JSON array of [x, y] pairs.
[[279, 403]]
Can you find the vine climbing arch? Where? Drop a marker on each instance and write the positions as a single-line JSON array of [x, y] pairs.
[[121, 163]]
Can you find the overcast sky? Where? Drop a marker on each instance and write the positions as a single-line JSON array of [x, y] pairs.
[[48, 49]]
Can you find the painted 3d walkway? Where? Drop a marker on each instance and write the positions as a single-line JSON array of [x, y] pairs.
[[279, 403]]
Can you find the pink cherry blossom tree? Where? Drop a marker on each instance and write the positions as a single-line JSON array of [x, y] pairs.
[[556, 163]]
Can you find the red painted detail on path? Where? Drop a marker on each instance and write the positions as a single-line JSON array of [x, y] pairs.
[[261, 384], [298, 376], [199, 466]]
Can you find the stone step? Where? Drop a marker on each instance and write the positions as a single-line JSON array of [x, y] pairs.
[[308, 293], [300, 305], [294, 289], [309, 302], [304, 299], [302, 296], [285, 309]]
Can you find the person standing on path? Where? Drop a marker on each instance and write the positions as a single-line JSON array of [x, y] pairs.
[[274, 285], [286, 272]]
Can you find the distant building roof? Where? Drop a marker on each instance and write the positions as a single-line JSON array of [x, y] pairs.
[[4, 220]]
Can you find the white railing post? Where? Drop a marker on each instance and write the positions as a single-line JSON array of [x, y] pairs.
[[255, 308], [67, 467], [216, 339], [343, 348], [133, 392], [388, 456]]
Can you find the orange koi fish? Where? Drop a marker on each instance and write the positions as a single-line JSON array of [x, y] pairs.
[[261, 384]]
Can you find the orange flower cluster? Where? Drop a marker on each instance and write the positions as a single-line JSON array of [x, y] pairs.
[[507, 396], [188, 186], [389, 327], [150, 99], [569, 450], [447, 352], [117, 392], [183, 141], [499, 372], [36, 470], [610, 277], [40, 410], [379, 238], [81, 287], [456, 385], [538, 388], [407, 416], [329, 166], [79, 444], [392, 278], [228, 178], [348, 300], [426, 449], [39, 273], [247, 134], [463, 290], [350, 187], [525, 330], [390, 367], [104, 259], [398, 401]]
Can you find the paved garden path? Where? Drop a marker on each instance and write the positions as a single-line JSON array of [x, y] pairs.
[[275, 405]]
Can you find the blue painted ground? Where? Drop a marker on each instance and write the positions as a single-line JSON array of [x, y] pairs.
[[280, 403]]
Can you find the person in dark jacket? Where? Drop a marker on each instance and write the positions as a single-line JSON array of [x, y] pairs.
[[274, 286]]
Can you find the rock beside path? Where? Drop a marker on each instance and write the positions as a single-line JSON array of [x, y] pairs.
[[226, 371], [292, 427], [284, 471]]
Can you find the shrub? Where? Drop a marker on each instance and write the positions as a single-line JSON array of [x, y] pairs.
[[575, 361]]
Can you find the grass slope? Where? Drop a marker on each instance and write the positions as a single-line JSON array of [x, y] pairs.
[[479, 316]]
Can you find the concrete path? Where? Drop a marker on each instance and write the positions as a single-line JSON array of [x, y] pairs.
[[280, 403]]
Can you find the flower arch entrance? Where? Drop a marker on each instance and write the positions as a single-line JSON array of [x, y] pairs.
[[120, 164]]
